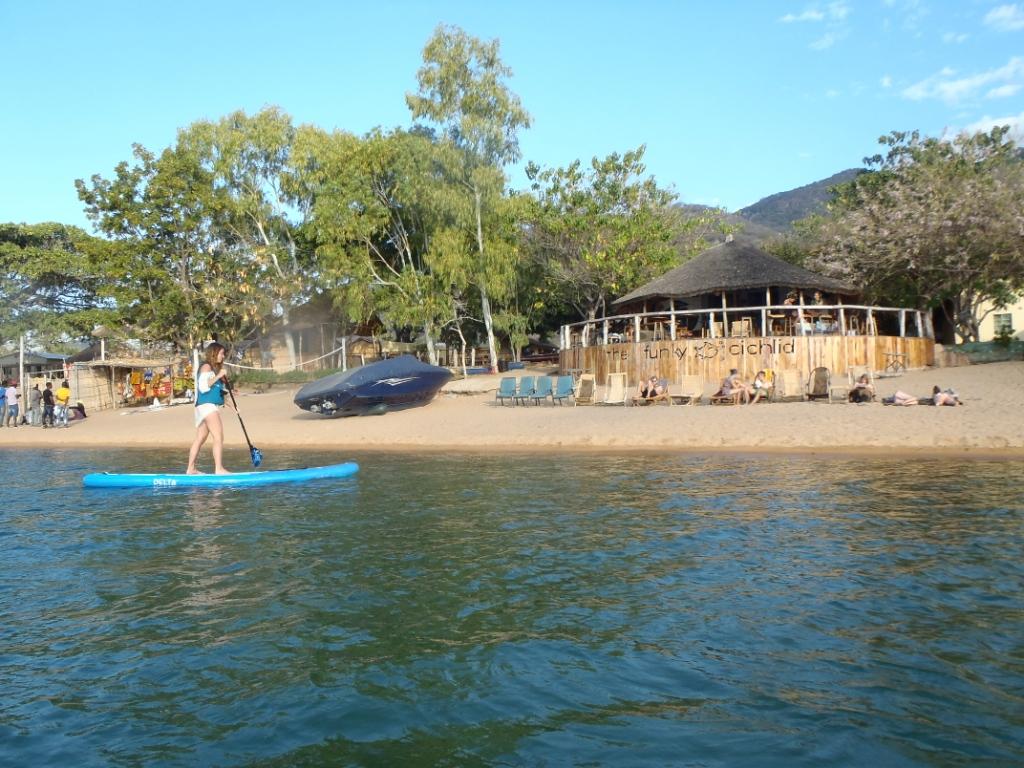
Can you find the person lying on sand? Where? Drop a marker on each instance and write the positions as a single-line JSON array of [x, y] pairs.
[[899, 398], [945, 397]]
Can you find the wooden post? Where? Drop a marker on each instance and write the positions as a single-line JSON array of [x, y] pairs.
[[636, 326], [800, 319], [711, 325], [903, 323], [872, 329], [604, 340], [672, 318]]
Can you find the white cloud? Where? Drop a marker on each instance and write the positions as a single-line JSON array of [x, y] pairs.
[[950, 89], [1003, 91], [1006, 18], [834, 12], [886, 81], [832, 93], [986, 124], [810, 14], [954, 37], [833, 15]]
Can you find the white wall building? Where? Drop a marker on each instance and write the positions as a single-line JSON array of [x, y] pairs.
[[1010, 317]]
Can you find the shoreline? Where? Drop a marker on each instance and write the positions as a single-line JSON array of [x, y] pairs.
[[464, 418]]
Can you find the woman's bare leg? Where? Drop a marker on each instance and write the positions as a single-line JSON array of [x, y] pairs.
[[202, 432], [216, 427]]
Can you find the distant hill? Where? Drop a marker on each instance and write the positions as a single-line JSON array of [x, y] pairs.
[[735, 222], [778, 212]]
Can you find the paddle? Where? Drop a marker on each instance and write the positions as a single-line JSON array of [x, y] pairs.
[[254, 453]]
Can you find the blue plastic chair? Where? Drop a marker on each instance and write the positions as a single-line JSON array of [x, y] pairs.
[[525, 389], [506, 390], [543, 390], [564, 386]]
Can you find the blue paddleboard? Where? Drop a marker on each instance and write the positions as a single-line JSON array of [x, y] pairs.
[[112, 480]]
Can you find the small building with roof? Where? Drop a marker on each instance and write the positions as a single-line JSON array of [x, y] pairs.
[[736, 306], [36, 364]]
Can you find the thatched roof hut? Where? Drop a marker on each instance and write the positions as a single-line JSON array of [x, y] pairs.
[[730, 267]]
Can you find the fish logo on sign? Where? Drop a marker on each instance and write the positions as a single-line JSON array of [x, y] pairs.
[[394, 381]]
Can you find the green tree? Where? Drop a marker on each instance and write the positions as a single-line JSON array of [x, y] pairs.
[[462, 89], [54, 286], [256, 208], [206, 230], [172, 286], [382, 220], [602, 231], [936, 223]]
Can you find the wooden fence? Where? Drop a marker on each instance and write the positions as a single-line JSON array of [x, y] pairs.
[[712, 358]]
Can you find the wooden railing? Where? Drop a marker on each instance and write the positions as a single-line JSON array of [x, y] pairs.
[[761, 321]]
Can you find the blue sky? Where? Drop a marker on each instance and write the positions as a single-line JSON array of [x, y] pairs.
[[734, 100]]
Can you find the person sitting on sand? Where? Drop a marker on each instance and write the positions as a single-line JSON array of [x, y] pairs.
[[733, 386], [900, 398], [761, 387], [945, 397], [863, 391], [649, 391]]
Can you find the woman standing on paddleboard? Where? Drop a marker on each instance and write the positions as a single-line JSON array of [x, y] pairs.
[[210, 382]]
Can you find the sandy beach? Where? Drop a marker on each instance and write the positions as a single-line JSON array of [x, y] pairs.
[[465, 416]]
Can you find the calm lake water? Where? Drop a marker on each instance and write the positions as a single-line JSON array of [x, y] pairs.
[[525, 610]]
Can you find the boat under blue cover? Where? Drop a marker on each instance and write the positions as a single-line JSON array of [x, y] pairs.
[[399, 382]]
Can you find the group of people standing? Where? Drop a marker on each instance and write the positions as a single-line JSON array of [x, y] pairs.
[[45, 406]]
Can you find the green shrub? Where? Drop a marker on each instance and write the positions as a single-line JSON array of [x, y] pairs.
[[1004, 338]]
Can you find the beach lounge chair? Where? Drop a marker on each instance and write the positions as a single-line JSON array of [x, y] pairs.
[[792, 386], [542, 390], [616, 393], [818, 383], [506, 390], [564, 387], [769, 379], [586, 390], [662, 398], [719, 398], [839, 389], [525, 389], [689, 392], [854, 373]]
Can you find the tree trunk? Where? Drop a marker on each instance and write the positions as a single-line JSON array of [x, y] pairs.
[[462, 340], [289, 341], [431, 349], [485, 301]]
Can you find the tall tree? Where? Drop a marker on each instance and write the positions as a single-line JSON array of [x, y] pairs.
[[255, 210], [175, 284], [462, 89], [55, 283], [604, 230], [382, 219], [937, 222]]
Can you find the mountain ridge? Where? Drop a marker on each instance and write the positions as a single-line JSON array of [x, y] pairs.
[[775, 214]]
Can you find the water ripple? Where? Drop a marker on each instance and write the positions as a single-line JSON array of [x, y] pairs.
[[515, 610]]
